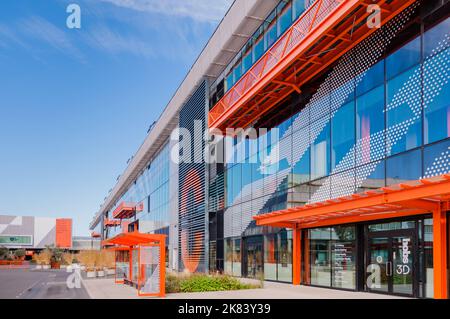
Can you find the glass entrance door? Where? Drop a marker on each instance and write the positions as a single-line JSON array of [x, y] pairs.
[[391, 267], [254, 261]]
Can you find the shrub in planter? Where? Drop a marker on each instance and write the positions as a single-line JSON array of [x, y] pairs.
[[19, 254], [4, 252], [88, 259], [203, 283], [45, 258]]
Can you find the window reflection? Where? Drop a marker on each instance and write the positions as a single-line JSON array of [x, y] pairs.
[[402, 116], [404, 168]]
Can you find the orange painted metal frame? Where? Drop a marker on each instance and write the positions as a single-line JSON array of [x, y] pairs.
[[133, 241], [127, 210], [111, 222], [162, 271], [321, 35], [431, 195]]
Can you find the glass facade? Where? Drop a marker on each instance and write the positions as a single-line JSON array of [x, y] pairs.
[[331, 258], [372, 139], [371, 131], [276, 23], [152, 189]]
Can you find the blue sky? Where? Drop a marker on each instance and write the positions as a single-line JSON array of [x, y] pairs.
[[76, 104]]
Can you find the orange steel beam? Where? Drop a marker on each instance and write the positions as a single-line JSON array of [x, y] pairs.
[[234, 109], [336, 52], [440, 254], [296, 256], [308, 40], [426, 188], [361, 218]]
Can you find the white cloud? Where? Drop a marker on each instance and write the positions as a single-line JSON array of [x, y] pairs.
[[112, 42], [45, 31], [200, 10]]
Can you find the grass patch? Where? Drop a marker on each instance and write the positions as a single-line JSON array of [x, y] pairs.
[[204, 283]]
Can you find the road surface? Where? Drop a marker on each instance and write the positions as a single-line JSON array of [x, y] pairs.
[[37, 284]]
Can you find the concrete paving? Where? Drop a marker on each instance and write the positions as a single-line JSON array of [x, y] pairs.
[[37, 284], [107, 289]]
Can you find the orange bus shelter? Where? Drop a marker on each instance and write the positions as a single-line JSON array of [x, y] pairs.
[[431, 195], [140, 261]]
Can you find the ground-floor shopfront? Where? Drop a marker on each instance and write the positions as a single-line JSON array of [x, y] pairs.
[[390, 241], [390, 256]]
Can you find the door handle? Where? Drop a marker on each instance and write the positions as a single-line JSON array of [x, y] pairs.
[[389, 268]]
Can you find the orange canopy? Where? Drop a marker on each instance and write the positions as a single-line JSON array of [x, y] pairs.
[[411, 198], [134, 239]]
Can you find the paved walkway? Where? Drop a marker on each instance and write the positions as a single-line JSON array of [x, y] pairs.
[[107, 289]]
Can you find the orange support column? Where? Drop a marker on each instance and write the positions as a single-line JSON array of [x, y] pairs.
[[296, 256], [440, 253], [162, 268]]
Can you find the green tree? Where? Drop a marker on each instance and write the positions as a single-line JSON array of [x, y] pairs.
[[19, 253], [4, 252]]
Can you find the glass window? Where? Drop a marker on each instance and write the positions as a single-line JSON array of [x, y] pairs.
[[229, 81], [371, 176], [373, 78], [237, 258], [404, 168], [228, 257], [437, 159], [433, 39], [285, 19], [271, 35], [247, 62], [320, 154], [342, 184], [404, 58], [284, 256], [437, 109], [237, 72], [258, 49], [370, 126], [428, 258], [299, 8], [229, 187], [343, 136], [343, 257], [319, 257], [270, 262], [404, 123]]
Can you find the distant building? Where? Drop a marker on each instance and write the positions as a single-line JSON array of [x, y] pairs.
[[33, 233], [85, 243]]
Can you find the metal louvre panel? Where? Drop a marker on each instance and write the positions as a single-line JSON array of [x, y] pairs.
[[192, 182], [216, 193]]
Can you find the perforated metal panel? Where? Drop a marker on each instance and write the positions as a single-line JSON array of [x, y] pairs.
[[192, 183]]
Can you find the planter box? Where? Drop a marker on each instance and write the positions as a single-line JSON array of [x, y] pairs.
[[55, 265], [69, 268], [91, 274], [38, 267], [111, 272], [46, 267], [63, 267], [100, 273]]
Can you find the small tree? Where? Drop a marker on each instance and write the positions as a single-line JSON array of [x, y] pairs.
[[4, 252], [67, 258], [20, 253], [45, 256]]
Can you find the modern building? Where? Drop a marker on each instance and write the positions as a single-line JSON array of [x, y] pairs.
[[35, 233], [339, 176], [80, 243]]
